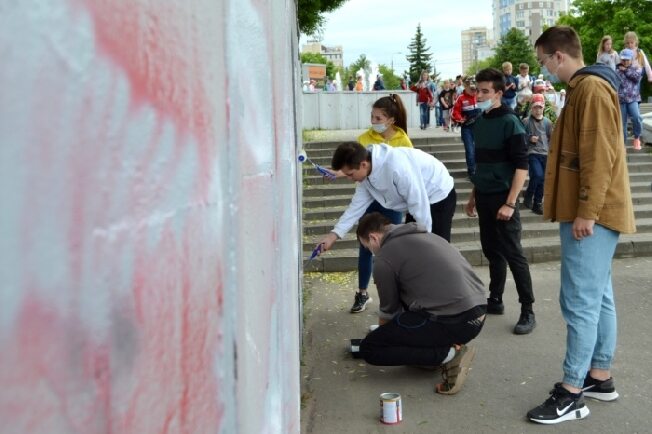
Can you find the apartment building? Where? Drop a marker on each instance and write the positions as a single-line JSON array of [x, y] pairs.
[[531, 17]]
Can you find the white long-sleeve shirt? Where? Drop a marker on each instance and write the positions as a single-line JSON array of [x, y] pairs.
[[401, 179]]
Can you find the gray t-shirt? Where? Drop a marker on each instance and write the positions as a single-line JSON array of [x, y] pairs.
[[420, 271], [543, 130]]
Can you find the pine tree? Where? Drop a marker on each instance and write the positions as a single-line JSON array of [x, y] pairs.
[[419, 56], [515, 47]]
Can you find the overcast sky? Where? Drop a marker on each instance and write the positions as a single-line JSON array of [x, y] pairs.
[[382, 28]]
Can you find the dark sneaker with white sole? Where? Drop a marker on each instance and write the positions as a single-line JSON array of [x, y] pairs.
[[560, 407], [601, 390], [360, 302]]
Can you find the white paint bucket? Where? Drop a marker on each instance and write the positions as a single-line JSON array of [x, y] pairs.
[[391, 410]]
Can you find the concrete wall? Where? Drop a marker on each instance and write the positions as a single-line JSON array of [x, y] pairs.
[[351, 110], [149, 234]]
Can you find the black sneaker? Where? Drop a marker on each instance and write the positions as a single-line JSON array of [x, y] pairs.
[[526, 323], [495, 306], [600, 390], [561, 406], [527, 202], [537, 209], [360, 302]]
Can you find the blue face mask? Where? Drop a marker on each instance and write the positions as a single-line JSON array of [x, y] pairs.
[[484, 105], [379, 128], [552, 78]]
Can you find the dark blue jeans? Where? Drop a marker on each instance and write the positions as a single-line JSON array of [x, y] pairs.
[[365, 260], [469, 149], [424, 111], [537, 173], [438, 118]]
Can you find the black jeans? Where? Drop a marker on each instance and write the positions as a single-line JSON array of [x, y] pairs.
[[501, 244], [442, 214], [413, 338]]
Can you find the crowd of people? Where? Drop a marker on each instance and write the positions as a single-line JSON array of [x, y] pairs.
[[431, 302]]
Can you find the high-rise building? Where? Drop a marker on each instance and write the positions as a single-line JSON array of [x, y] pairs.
[[334, 54], [527, 16], [476, 46]]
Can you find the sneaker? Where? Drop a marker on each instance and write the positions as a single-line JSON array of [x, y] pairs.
[[602, 390], [360, 302], [537, 209], [454, 373], [495, 306], [561, 406], [637, 144], [527, 202], [526, 323], [355, 348]]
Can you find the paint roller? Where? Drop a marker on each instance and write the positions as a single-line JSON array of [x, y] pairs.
[[303, 157]]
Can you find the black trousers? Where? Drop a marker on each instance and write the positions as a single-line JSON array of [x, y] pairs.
[[413, 338], [501, 245], [442, 214]]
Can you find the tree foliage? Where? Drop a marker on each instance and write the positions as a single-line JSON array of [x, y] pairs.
[[361, 62], [310, 14], [515, 47], [419, 56], [592, 19], [391, 80]]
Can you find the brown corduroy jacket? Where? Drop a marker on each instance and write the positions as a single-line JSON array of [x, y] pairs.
[[586, 172]]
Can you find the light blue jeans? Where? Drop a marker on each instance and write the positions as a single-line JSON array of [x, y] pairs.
[[587, 302], [631, 109]]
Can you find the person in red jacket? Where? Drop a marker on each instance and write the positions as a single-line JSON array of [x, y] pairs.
[[465, 112], [424, 98]]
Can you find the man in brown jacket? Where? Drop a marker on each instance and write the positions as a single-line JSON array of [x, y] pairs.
[[586, 189]]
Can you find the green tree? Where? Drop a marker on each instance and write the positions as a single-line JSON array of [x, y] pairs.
[[310, 14], [331, 69], [481, 64], [592, 19], [391, 80], [419, 56], [515, 47], [361, 62]]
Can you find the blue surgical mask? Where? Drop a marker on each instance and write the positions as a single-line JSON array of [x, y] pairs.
[[552, 78], [379, 128], [484, 105]]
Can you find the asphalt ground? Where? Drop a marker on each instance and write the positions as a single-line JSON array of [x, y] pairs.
[[510, 375]]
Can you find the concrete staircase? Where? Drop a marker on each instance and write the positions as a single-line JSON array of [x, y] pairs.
[[324, 201]]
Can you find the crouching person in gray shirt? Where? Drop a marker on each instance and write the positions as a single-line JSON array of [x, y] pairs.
[[431, 301]]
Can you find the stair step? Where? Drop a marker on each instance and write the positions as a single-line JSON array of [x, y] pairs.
[[462, 235], [333, 212], [324, 201], [536, 250]]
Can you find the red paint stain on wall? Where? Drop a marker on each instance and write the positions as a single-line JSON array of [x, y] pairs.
[[159, 46]]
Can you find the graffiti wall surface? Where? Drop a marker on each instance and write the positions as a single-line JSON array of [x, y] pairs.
[[148, 232]]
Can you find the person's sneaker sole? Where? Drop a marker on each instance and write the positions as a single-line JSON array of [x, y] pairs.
[[578, 414], [601, 396], [461, 372]]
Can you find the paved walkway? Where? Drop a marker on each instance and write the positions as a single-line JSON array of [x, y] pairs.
[[510, 375]]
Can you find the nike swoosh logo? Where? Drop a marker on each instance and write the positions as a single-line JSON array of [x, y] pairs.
[[563, 410]]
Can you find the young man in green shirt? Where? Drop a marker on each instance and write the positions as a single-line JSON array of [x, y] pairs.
[[501, 169]]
